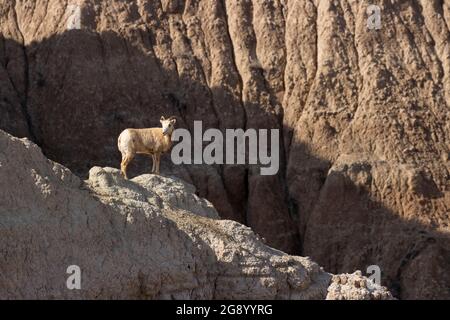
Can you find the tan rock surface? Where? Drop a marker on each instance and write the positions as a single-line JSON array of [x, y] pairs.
[[355, 287], [139, 239], [365, 113]]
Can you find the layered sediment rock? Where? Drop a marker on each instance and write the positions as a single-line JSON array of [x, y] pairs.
[[148, 238], [364, 113]]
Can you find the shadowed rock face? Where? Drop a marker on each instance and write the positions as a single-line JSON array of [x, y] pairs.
[[146, 238], [364, 178]]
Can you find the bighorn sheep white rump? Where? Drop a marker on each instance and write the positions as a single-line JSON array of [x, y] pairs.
[[151, 141]]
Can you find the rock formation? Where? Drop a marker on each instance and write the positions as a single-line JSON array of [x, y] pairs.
[[364, 113], [354, 287], [146, 238]]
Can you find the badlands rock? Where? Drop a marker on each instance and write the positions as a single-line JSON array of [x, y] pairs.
[[365, 113], [171, 191], [356, 287], [147, 238]]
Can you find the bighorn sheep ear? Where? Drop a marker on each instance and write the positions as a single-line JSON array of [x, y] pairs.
[[162, 118], [173, 120]]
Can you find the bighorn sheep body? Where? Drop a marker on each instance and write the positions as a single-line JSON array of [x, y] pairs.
[[151, 141]]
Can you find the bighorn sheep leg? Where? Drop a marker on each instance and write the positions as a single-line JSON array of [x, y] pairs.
[[126, 159], [153, 163]]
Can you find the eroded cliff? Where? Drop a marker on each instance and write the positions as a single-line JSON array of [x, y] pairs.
[[364, 113], [146, 238]]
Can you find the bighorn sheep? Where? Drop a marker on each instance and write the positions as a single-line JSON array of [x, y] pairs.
[[151, 141]]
